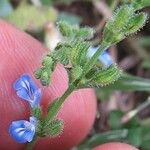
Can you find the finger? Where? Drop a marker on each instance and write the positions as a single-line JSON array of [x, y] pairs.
[[19, 54], [115, 146]]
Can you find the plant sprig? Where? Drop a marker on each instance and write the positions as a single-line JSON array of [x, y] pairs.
[[83, 71]]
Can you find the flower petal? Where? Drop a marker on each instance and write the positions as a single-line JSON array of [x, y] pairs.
[[28, 135], [27, 90], [23, 131], [106, 59], [37, 98]]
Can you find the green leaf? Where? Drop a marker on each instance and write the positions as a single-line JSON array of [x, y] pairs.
[[97, 139], [130, 83], [135, 23], [29, 17], [145, 138], [53, 128], [135, 137], [114, 119], [106, 76], [5, 8]]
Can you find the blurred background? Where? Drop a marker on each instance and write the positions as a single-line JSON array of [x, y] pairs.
[[123, 112]]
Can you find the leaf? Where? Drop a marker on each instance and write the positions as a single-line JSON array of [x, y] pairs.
[[135, 136], [5, 8], [145, 137], [54, 128], [130, 83], [97, 139], [28, 17], [106, 76]]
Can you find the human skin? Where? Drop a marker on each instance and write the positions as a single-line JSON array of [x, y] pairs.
[[19, 54], [115, 146]]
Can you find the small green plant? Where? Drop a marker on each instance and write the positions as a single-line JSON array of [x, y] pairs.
[[72, 51], [83, 71]]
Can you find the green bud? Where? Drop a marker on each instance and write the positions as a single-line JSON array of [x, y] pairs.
[[112, 37], [135, 23], [47, 61], [107, 76], [54, 128], [85, 33], [113, 29], [79, 53], [121, 17], [73, 32], [139, 4], [45, 78], [62, 55], [38, 73], [76, 72]]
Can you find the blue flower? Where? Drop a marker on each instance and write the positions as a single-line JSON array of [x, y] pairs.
[[22, 130], [27, 90], [105, 58]]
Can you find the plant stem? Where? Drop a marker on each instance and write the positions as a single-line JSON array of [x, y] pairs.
[[56, 105]]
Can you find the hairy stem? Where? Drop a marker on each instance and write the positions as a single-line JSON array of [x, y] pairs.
[[54, 108]]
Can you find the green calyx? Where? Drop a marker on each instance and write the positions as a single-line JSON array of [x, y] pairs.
[[139, 4], [125, 21], [53, 128], [105, 76]]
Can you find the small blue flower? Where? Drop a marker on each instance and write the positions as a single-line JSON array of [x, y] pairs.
[[105, 58], [22, 130], [27, 90]]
